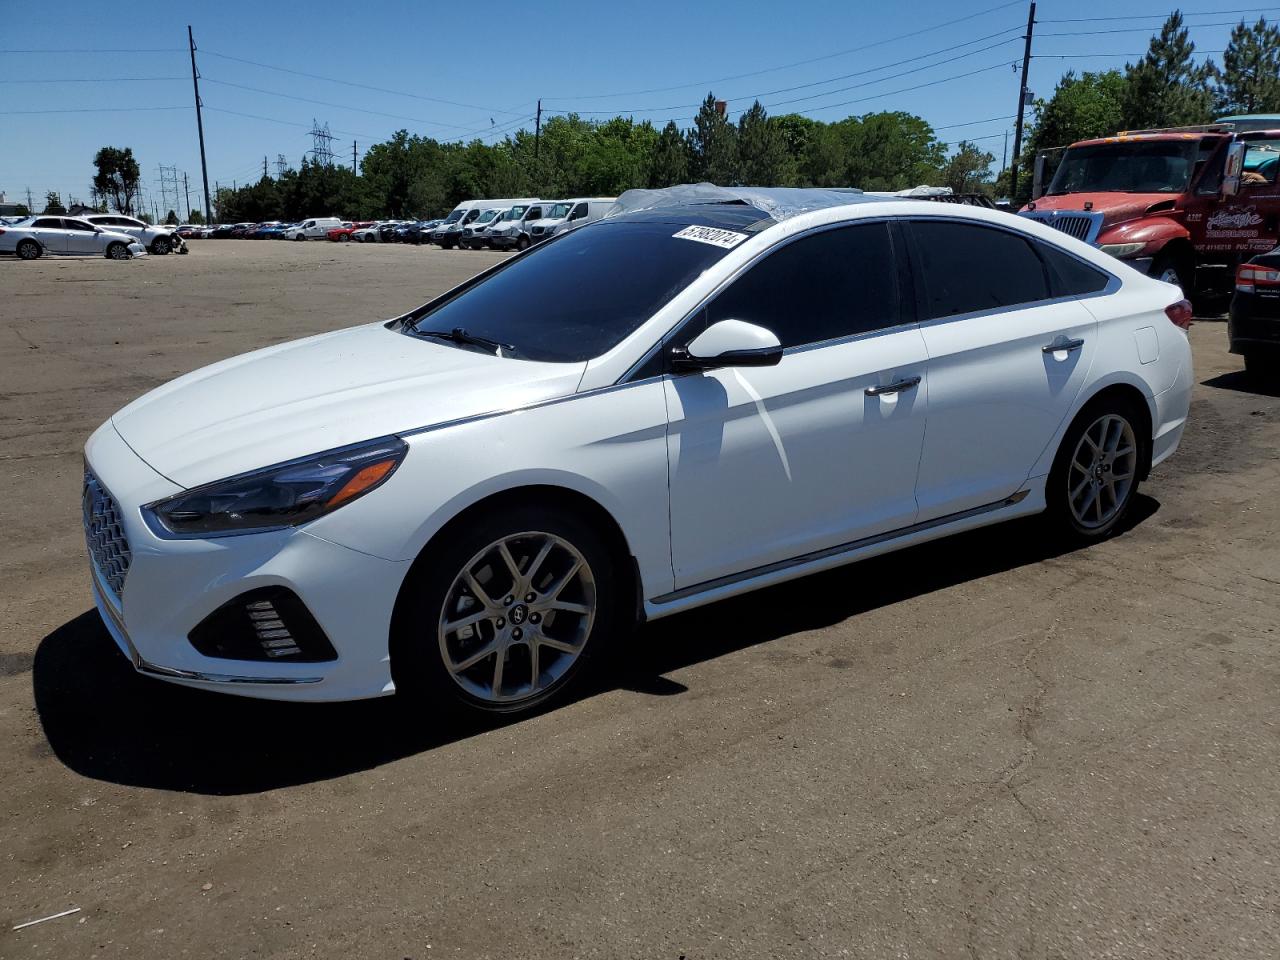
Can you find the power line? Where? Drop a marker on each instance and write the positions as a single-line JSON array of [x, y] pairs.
[[153, 50], [1159, 16], [99, 80], [352, 83], [89, 110], [1094, 33], [287, 123], [798, 63], [857, 73]]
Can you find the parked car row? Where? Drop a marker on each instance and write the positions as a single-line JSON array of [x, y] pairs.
[[514, 224]]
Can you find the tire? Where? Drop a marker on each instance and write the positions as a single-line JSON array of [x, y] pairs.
[[118, 251], [1172, 268], [160, 246], [300, 236], [344, 238], [1096, 471], [509, 626], [522, 243], [29, 250]]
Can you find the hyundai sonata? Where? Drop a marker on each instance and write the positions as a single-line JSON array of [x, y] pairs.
[[703, 393]]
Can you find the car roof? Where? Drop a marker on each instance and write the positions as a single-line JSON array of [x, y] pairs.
[[775, 203]]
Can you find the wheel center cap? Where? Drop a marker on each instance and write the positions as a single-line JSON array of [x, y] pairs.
[[519, 614]]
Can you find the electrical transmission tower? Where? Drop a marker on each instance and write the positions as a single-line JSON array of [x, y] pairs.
[[169, 188], [322, 143], [281, 165]]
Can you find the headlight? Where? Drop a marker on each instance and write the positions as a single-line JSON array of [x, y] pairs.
[[281, 496], [1121, 250]]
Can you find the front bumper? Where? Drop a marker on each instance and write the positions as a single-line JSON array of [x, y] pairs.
[[172, 585]]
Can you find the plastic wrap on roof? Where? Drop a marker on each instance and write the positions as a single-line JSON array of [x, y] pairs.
[[921, 191], [779, 203]]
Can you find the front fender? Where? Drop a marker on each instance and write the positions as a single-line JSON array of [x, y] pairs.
[[1155, 233]]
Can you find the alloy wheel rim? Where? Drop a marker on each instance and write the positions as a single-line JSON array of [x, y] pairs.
[[1102, 471], [29, 251], [1170, 275], [517, 617], [118, 252]]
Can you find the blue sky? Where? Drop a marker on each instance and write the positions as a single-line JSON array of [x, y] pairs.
[[461, 69]]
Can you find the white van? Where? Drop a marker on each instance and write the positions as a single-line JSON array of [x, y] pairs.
[[474, 235], [317, 228], [449, 232], [569, 214], [514, 229]]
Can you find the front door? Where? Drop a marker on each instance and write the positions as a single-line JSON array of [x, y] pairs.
[[1007, 358], [82, 237], [771, 463]]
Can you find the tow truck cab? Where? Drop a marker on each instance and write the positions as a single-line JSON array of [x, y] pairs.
[[1184, 205]]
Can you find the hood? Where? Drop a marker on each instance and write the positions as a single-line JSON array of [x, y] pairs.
[[328, 391], [1114, 207]]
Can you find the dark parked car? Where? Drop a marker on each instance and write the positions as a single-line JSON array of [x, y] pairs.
[[1254, 326]]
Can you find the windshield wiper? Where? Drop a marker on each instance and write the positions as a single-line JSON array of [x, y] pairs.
[[460, 335]]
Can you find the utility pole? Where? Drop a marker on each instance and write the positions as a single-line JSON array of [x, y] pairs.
[[187, 190], [354, 168], [1022, 103], [30, 206], [264, 166], [208, 214], [195, 83], [537, 130]]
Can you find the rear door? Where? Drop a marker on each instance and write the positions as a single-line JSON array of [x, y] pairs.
[[1007, 358], [51, 234], [770, 463]]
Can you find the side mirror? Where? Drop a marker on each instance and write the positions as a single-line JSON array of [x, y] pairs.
[[729, 343], [1232, 169]]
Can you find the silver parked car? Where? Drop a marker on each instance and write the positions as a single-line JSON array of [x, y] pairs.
[[33, 237], [157, 238]]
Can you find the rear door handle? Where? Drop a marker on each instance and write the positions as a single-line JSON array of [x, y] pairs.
[[896, 387], [1067, 345]]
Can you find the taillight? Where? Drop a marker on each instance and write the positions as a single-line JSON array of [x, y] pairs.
[[1250, 276], [1180, 313], [1, 232]]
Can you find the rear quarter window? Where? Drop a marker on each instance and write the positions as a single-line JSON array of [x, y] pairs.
[[1069, 276]]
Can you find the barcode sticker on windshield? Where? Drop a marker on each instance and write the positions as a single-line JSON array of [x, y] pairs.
[[717, 238]]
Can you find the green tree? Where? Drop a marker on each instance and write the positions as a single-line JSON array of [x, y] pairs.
[[1167, 88], [1249, 81], [22, 210], [890, 151], [1080, 108], [117, 177], [196, 217], [669, 164], [53, 203], [713, 144], [968, 170], [171, 218], [762, 150]]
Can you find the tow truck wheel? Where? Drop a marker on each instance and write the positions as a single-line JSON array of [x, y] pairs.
[[1171, 268]]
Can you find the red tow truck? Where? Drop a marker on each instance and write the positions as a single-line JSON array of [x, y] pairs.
[[1186, 204]]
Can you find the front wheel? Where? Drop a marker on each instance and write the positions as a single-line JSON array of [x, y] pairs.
[[29, 250], [522, 243], [1173, 269], [507, 614], [118, 251], [160, 246], [1095, 474], [300, 236]]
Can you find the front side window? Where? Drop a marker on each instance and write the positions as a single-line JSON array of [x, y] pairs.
[[77, 225], [968, 268], [535, 213], [579, 212], [577, 296], [1261, 163], [835, 283]]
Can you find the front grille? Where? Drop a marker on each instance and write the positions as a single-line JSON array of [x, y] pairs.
[[1082, 226], [104, 534]]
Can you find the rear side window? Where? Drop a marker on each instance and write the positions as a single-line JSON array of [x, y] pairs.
[[831, 284], [52, 222], [968, 268], [1070, 277]]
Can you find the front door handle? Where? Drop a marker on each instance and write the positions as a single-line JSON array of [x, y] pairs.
[[896, 387], [1067, 345]]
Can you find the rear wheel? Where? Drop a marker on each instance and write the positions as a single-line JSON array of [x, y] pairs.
[[506, 614], [118, 251], [29, 250], [1095, 473], [1259, 366]]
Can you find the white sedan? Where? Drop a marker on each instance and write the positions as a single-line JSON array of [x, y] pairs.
[[158, 239], [33, 237], [678, 403]]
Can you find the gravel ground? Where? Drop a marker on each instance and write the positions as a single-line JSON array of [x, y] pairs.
[[975, 748]]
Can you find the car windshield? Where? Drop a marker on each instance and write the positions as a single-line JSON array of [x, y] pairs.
[[454, 217], [558, 212], [515, 213], [576, 297], [1152, 166], [487, 216]]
